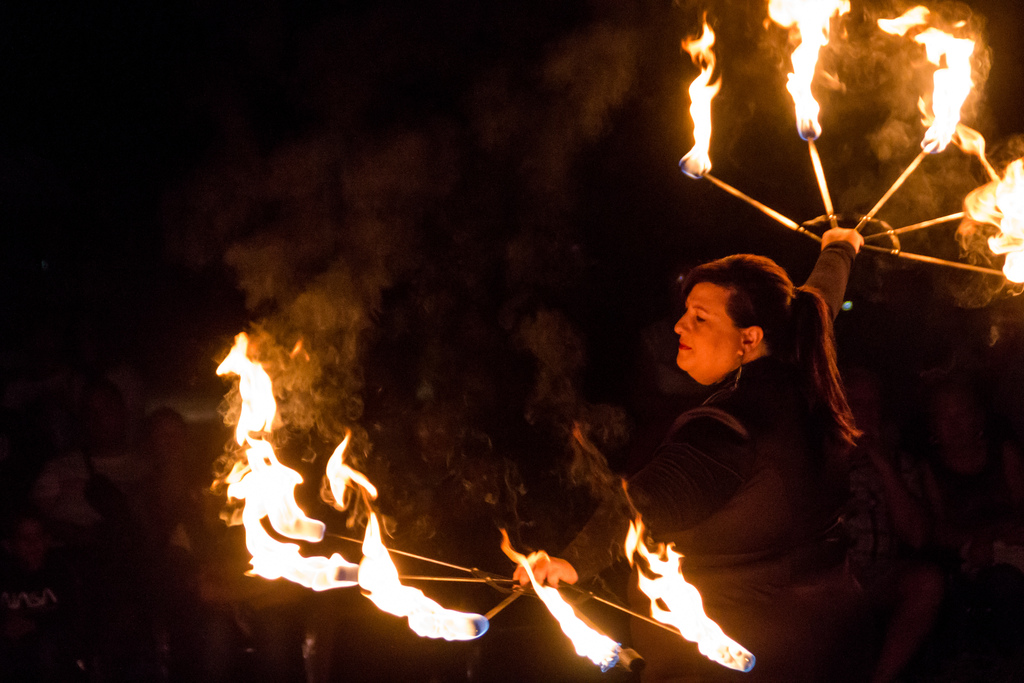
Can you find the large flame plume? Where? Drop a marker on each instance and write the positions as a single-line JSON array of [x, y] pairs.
[[952, 78], [267, 489], [1001, 203], [809, 23], [697, 161], [597, 647], [678, 604]]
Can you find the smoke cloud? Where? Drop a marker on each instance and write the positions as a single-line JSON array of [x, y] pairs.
[[410, 200], [411, 254]]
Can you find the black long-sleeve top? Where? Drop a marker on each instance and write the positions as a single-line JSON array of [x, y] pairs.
[[744, 479]]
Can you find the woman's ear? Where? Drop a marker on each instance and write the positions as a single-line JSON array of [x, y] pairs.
[[751, 339]]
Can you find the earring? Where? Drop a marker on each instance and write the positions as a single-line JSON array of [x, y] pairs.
[[736, 380]]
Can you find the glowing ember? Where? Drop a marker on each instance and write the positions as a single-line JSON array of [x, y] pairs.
[[597, 647], [1001, 203], [952, 79], [379, 578], [683, 608], [808, 22], [697, 162]]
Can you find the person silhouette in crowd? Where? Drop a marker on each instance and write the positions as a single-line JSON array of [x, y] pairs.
[[95, 496], [974, 483], [41, 619], [889, 523]]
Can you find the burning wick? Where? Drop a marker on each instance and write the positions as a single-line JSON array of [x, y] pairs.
[[379, 578], [588, 642], [808, 23], [697, 162], [952, 80], [663, 583], [952, 84]]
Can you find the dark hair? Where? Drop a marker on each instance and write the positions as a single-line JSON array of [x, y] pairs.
[[797, 327]]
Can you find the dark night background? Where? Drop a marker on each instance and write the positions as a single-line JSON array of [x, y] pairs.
[[471, 213]]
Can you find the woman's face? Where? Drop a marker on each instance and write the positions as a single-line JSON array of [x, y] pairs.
[[710, 344]]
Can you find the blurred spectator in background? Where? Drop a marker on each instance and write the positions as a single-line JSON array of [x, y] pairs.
[[175, 532], [888, 524], [974, 482], [95, 497], [40, 606], [974, 477], [39, 401], [100, 483]]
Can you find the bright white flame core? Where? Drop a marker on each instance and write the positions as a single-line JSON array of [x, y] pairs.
[[1002, 204], [952, 82], [685, 609], [268, 489], [808, 22], [258, 405], [378, 576], [597, 647], [697, 162], [340, 476]]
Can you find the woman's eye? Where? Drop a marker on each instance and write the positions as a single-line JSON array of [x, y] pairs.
[[698, 318]]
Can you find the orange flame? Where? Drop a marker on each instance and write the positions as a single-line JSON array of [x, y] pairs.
[[697, 162], [340, 475], [258, 405], [379, 578], [1001, 203], [808, 22], [952, 82], [268, 488], [597, 647], [972, 142], [684, 608]]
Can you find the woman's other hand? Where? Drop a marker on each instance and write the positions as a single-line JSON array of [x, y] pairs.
[[549, 571], [843, 235]]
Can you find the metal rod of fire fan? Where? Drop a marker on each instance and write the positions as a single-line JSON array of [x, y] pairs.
[[892, 189], [819, 173], [771, 213], [916, 226], [409, 555], [578, 592], [930, 259]]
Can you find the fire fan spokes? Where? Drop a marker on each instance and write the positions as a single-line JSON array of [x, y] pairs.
[[948, 46]]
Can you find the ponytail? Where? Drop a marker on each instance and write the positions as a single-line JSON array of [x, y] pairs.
[[813, 353]]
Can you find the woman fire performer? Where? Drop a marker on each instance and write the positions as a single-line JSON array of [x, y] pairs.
[[748, 486]]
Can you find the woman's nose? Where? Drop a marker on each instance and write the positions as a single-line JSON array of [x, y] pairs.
[[679, 325]]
